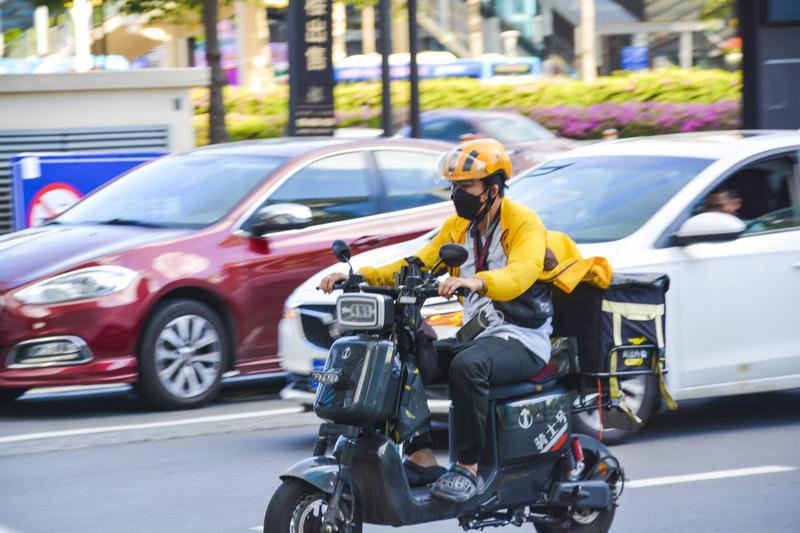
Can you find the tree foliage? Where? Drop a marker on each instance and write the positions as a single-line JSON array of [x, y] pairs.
[[717, 9]]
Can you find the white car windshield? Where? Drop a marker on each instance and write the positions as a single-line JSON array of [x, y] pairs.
[[603, 198]]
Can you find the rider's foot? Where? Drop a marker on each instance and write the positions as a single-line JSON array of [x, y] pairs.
[[458, 485], [419, 476]]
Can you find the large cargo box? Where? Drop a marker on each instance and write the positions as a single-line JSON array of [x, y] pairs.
[[618, 329], [366, 389]]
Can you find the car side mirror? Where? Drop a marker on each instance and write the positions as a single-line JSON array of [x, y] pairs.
[[453, 255], [709, 227], [278, 217]]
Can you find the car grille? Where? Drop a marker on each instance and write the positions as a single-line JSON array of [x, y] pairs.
[[315, 328]]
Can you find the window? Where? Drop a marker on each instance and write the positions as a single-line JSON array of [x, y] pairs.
[[759, 194], [335, 188], [512, 129], [603, 198], [446, 129], [409, 179], [193, 189]]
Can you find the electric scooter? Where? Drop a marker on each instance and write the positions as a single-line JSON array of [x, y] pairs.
[[534, 469]]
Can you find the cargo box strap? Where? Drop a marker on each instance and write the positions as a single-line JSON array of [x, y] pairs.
[[662, 387], [616, 393], [638, 312]]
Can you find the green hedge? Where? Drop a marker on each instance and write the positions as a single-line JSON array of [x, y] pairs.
[[264, 114]]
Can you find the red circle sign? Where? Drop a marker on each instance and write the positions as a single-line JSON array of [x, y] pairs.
[[50, 201]]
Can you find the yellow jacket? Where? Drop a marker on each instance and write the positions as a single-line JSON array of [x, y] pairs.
[[572, 269], [524, 239], [522, 236]]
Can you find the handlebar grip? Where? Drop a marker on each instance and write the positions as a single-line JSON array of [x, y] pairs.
[[431, 292], [379, 289]]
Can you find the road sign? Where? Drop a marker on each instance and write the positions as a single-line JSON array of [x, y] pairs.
[[311, 68], [635, 57], [45, 185]]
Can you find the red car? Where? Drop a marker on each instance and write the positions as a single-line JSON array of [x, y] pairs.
[[177, 272]]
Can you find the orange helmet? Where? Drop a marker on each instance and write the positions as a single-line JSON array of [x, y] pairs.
[[474, 160]]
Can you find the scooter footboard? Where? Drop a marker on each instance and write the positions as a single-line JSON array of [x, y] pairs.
[[320, 471], [383, 491]]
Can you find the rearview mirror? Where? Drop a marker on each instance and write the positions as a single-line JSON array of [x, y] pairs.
[[278, 217], [709, 227], [342, 251], [453, 255]]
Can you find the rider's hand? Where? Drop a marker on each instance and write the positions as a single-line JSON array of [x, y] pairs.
[[449, 286], [328, 281]]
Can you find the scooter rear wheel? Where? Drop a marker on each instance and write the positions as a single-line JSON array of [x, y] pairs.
[[298, 507], [583, 521]]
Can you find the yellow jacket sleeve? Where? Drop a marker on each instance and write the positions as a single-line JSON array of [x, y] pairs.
[[573, 269], [526, 243], [384, 275]]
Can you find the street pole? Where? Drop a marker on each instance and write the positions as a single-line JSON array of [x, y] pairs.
[[587, 41], [413, 76], [386, 49], [2, 37]]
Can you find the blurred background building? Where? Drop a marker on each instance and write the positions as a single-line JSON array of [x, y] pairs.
[[630, 34]]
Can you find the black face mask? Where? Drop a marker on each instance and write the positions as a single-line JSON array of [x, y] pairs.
[[469, 205]]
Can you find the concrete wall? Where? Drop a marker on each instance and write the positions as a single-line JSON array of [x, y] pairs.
[[103, 99]]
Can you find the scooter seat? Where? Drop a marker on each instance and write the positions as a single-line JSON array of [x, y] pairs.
[[512, 390], [545, 379]]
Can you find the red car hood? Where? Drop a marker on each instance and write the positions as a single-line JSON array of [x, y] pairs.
[[39, 252]]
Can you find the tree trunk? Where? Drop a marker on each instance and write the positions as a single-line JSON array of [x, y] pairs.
[[216, 110], [368, 29]]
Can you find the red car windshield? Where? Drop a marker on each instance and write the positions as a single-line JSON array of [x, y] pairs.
[[186, 190]]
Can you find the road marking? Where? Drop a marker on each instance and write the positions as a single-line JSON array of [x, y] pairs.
[[151, 425], [719, 474]]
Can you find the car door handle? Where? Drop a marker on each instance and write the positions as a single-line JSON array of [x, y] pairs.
[[796, 265], [368, 240]]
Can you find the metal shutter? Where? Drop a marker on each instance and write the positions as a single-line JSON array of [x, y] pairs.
[[134, 138]]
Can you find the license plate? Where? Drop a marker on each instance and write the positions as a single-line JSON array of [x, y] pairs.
[[317, 365]]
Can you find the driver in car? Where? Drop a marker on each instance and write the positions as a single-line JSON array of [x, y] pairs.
[[506, 244]]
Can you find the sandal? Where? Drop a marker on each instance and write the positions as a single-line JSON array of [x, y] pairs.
[[419, 476], [458, 485]]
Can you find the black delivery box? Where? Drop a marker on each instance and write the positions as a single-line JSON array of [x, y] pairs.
[[618, 329]]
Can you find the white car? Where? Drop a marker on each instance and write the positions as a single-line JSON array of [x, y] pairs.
[[642, 203]]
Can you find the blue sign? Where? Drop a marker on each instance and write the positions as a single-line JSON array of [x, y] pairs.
[[460, 68], [635, 57], [45, 185]]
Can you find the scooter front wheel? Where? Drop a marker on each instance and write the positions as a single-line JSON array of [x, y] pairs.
[[298, 507]]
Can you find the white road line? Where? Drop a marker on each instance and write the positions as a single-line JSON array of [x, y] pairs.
[[719, 474], [150, 425]]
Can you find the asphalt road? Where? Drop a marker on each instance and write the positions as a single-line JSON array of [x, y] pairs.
[[99, 462]]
